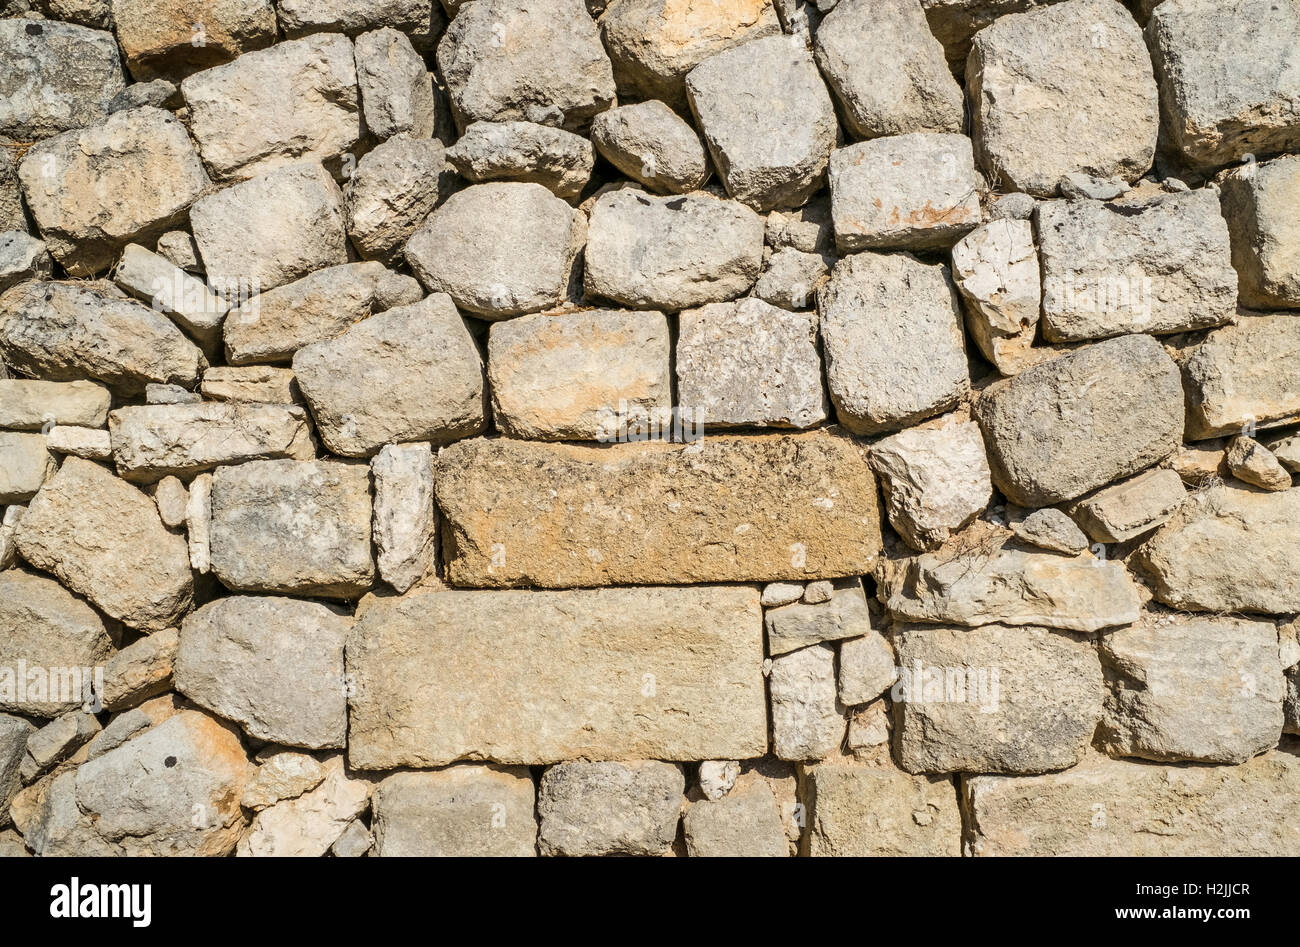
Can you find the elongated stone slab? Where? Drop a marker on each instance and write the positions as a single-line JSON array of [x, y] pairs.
[[722, 509], [536, 677]]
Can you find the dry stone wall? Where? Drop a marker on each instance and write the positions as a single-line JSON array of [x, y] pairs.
[[757, 427]]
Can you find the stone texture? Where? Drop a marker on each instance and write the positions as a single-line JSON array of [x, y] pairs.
[[996, 270], [671, 253], [294, 527], [394, 188], [29, 405], [1062, 88], [499, 249], [843, 614], [717, 777], [886, 371], [55, 77], [56, 742], [955, 22], [254, 383], [652, 145], [856, 810], [162, 39], [1125, 510], [746, 823], [395, 86], [916, 191], [750, 364], [279, 775], [405, 527], [1243, 374], [791, 278], [102, 538], [560, 161], [1109, 270], [994, 699], [796, 506], [609, 808], [167, 288], [1074, 423], [25, 464], [1258, 203], [807, 720], [307, 826], [589, 375], [14, 733], [410, 374], [140, 671], [467, 811], [867, 668], [22, 258], [1049, 528], [603, 673], [417, 18]]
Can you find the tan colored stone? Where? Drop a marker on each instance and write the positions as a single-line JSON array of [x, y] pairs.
[[173, 38]]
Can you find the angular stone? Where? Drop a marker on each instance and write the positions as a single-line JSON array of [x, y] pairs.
[[653, 145], [560, 161], [1198, 464], [996, 271], [395, 86], [468, 811], [791, 278], [1160, 268], [653, 44], [13, 218], [155, 441], [994, 699], [808, 228], [1076, 422], [25, 464], [1286, 450], [1062, 88], [198, 523], [103, 539], [798, 625], [170, 394], [671, 253], [55, 77], [167, 288], [750, 364], [410, 374], [1049, 528], [1229, 549], [1126, 510], [157, 93], [1105, 807], [57, 741], [273, 229], [609, 808], [627, 673], [885, 372], [307, 826], [887, 69], [14, 733], [293, 527], [178, 247], [867, 668], [296, 101], [954, 22], [983, 577], [1252, 462], [916, 191], [256, 383], [1259, 202], [45, 627], [1244, 374], [542, 62], [174, 39], [90, 443], [865, 811], [724, 509], [1207, 689], [588, 375], [807, 720], [29, 405], [405, 521], [22, 258], [500, 249], [1228, 86], [395, 187], [140, 671], [279, 775], [746, 823], [417, 18]]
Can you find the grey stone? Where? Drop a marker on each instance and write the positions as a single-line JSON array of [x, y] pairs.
[[467, 811], [308, 826], [1286, 450], [22, 258], [422, 20], [29, 404], [746, 823], [396, 88], [1013, 206], [791, 278], [815, 593], [560, 161], [167, 288], [1077, 186], [170, 394], [1049, 528], [157, 93], [800, 624], [867, 668], [355, 842], [954, 22], [25, 464], [57, 741], [55, 77], [1242, 375], [405, 527], [781, 593], [14, 733], [1258, 203], [652, 145], [178, 247], [808, 228], [395, 187], [807, 720], [12, 215], [1125, 510], [609, 808], [172, 498]]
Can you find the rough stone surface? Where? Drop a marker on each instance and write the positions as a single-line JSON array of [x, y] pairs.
[[394, 189], [560, 161], [25, 464], [55, 77], [653, 145], [843, 614], [1132, 507], [306, 827], [22, 257], [1243, 374], [1258, 203], [867, 811], [159, 38], [745, 823], [996, 270], [396, 90], [405, 521], [140, 671], [609, 808], [467, 811], [28, 405], [807, 720], [1049, 528], [167, 288]]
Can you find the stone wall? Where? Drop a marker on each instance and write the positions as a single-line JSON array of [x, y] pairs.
[[757, 427]]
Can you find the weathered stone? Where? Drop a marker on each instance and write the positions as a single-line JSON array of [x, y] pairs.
[[22, 258], [1228, 549], [868, 737], [797, 625], [671, 253], [198, 523], [887, 69], [750, 364], [422, 20], [994, 699], [273, 229], [103, 539], [169, 394], [983, 577], [954, 22], [1159, 268], [395, 86], [996, 270], [468, 811], [174, 39], [1190, 688], [25, 464], [169, 289], [171, 498], [29, 405], [9, 526], [280, 775], [1250, 461], [132, 723], [410, 374], [746, 823], [867, 668], [355, 842], [1228, 86], [653, 44], [584, 375], [796, 506], [1198, 464], [1077, 186], [178, 247], [609, 808], [808, 229], [306, 827], [157, 93], [500, 249], [1111, 807], [628, 673], [1062, 88], [1125, 510], [781, 593], [717, 777], [791, 278], [865, 811], [1013, 206], [14, 733], [272, 326], [405, 521], [54, 77], [295, 527], [1286, 450], [296, 101], [395, 187], [140, 671], [560, 161], [653, 145], [1049, 528], [1259, 203], [807, 720], [57, 741], [1074, 423], [13, 218], [916, 191], [155, 441], [1244, 374], [885, 372], [256, 383], [815, 593], [537, 62]]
